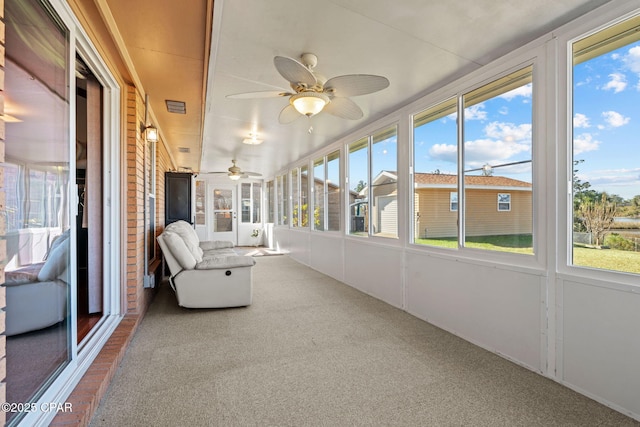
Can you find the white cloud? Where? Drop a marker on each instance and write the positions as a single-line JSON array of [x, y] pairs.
[[615, 119], [618, 82], [475, 112], [508, 132], [503, 141], [446, 152], [632, 59], [580, 121], [490, 151], [525, 91], [585, 142]]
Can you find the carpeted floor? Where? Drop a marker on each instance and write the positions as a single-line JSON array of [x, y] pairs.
[[311, 351]]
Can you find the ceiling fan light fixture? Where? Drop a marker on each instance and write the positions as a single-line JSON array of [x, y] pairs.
[[309, 103], [234, 177]]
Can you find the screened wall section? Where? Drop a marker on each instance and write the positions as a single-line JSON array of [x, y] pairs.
[[605, 224], [494, 139]]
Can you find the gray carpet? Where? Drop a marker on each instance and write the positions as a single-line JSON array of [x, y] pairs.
[[311, 351]]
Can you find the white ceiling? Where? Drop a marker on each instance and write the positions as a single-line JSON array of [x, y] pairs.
[[417, 44]]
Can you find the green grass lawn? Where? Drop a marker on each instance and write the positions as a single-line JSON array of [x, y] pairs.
[[606, 259], [516, 243]]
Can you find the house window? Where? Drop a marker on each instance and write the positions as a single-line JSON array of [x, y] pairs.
[[453, 201], [504, 202], [435, 177], [604, 162], [497, 151]]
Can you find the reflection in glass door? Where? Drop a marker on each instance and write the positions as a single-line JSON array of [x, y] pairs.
[[39, 263], [224, 214]]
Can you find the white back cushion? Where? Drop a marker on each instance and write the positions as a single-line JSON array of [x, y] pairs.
[[178, 249], [189, 236]]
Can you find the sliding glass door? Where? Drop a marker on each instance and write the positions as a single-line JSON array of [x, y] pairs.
[[38, 178]]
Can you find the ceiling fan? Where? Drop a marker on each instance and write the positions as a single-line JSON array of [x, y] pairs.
[[235, 173], [313, 93]]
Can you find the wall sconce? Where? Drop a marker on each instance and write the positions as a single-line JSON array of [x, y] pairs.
[[151, 134], [309, 103]]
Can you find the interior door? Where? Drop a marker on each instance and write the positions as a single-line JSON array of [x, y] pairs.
[[224, 221]]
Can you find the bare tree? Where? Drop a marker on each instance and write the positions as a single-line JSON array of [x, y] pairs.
[[598, 215]]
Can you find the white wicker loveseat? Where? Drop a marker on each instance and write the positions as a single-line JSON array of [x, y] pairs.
[[205, 274]]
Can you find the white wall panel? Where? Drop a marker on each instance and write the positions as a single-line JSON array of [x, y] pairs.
[[327, 255], [600, 343], [375, 270], [299, 246], [498, 309]]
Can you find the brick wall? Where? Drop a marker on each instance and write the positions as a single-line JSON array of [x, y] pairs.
[[137, 297]]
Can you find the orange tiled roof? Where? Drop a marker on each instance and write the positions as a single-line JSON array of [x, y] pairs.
[[479, 180]]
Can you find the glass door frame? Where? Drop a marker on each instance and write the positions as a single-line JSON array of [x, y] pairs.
[[82, 356]]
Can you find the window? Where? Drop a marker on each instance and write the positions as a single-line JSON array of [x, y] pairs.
[[250, 193], [271, 201], [150, 216], [283, 199], [319, 194], [504, 202], [453, 201], [384, 183], [256, 198], [494, 138], [295, 199], [304, 196], [334, 211], [358, 191], [201, 202], [497, 126], [374, 206], [326, 187], [435, 177], [604, 163]]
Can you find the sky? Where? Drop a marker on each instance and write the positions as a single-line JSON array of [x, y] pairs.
[[606, 121], [606, 131]]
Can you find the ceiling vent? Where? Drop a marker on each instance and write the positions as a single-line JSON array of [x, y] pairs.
[[184, 150], [178, 107]]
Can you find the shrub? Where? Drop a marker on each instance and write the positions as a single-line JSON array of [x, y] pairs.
[[616, 241]]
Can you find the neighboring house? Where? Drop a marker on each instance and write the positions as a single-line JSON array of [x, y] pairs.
[[496, 205]]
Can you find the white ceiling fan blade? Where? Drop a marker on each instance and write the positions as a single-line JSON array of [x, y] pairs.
[[261, 94], [288, 115], [355, 84], [293, 71], [344, 108], [251, 173]]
